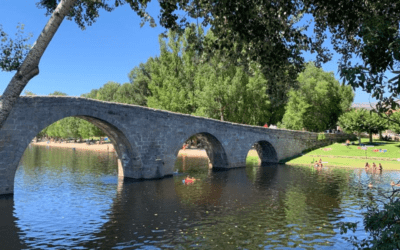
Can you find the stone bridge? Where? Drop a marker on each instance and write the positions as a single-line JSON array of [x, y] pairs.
[[147, 140]]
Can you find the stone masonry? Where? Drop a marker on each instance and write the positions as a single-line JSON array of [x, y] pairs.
[[147, 140]]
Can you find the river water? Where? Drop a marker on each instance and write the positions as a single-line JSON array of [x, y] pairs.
[[66, 199]]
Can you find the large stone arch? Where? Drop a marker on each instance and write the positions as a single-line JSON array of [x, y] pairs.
[[266, 152], [129, 162], [214, 149]]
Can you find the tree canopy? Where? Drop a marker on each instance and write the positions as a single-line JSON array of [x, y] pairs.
[[264, 32], [318, 102], [362, 120]]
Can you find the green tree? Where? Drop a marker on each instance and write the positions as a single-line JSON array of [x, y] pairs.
[[395, 124], [27, 92], [107, 92], [92, 94], [375, 124], [171, 84], [318, 102], [139, 78], [354, 122], [58, 93]]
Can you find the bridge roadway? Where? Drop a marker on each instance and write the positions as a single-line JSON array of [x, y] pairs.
[[147, 140]]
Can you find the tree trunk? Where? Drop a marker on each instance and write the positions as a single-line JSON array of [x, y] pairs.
[[30, 67], [370, 136], [359, 137], [380, 135]]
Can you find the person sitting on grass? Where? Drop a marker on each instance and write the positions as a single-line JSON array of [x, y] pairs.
[[347, 142]]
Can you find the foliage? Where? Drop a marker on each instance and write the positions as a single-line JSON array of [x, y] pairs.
[[381, 220], [107, 92], [395, 126], [269, 34], [361, 120], [12, 52], [85, 12], [369, 31], [318, 102], [27, 92], [353, 121], [374, 124], [70, 127], [321, 136], [92, 94], [59, 93]]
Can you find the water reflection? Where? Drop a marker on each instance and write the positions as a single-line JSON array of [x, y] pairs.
[[74, 199]]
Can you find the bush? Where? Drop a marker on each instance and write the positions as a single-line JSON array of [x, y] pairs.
[[321, 136]]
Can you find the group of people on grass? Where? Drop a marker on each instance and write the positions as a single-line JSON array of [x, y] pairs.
[[368, 167], [318, 163]]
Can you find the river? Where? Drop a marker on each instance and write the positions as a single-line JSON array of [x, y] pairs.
[[66, 199]]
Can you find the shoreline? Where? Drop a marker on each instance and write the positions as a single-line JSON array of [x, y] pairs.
[[201, 153]]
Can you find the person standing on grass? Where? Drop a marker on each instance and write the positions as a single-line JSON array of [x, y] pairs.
[[374, 165], [380, 167]]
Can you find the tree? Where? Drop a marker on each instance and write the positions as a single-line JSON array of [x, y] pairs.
[[353, 122], [84, 13], [92, 94], [366, 30], [139, 78], [381, 219], [375, 124], [107, 92], [59, 93], [171, 86], [395, 126], [29, 93], [30, 65], [265, 32], [318, 102], [13, 51]]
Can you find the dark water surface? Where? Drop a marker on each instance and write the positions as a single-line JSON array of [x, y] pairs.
[[67, 199]]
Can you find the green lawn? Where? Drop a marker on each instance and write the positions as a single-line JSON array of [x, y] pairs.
[[351, 156]]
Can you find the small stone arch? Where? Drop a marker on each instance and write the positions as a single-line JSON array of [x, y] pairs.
[[266, 152], [214, 149]]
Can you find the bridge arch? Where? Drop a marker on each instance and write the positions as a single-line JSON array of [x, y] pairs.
[[213, 147], [129, 163], [266, 152]]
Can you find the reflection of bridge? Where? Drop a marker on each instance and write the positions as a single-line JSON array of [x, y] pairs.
[[147, 140]]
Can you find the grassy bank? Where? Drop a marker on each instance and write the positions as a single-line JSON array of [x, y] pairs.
[[353, 156]]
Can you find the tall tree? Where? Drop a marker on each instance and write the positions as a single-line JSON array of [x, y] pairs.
[[172, 76], [318, 102]]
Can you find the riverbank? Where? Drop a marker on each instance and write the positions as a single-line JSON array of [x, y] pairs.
[[80, 146], [353, 156], [201, 153]]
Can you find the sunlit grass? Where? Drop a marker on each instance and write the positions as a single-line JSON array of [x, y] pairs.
[[353, 156]]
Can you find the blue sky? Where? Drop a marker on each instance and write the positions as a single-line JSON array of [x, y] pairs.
[[78, 61]]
